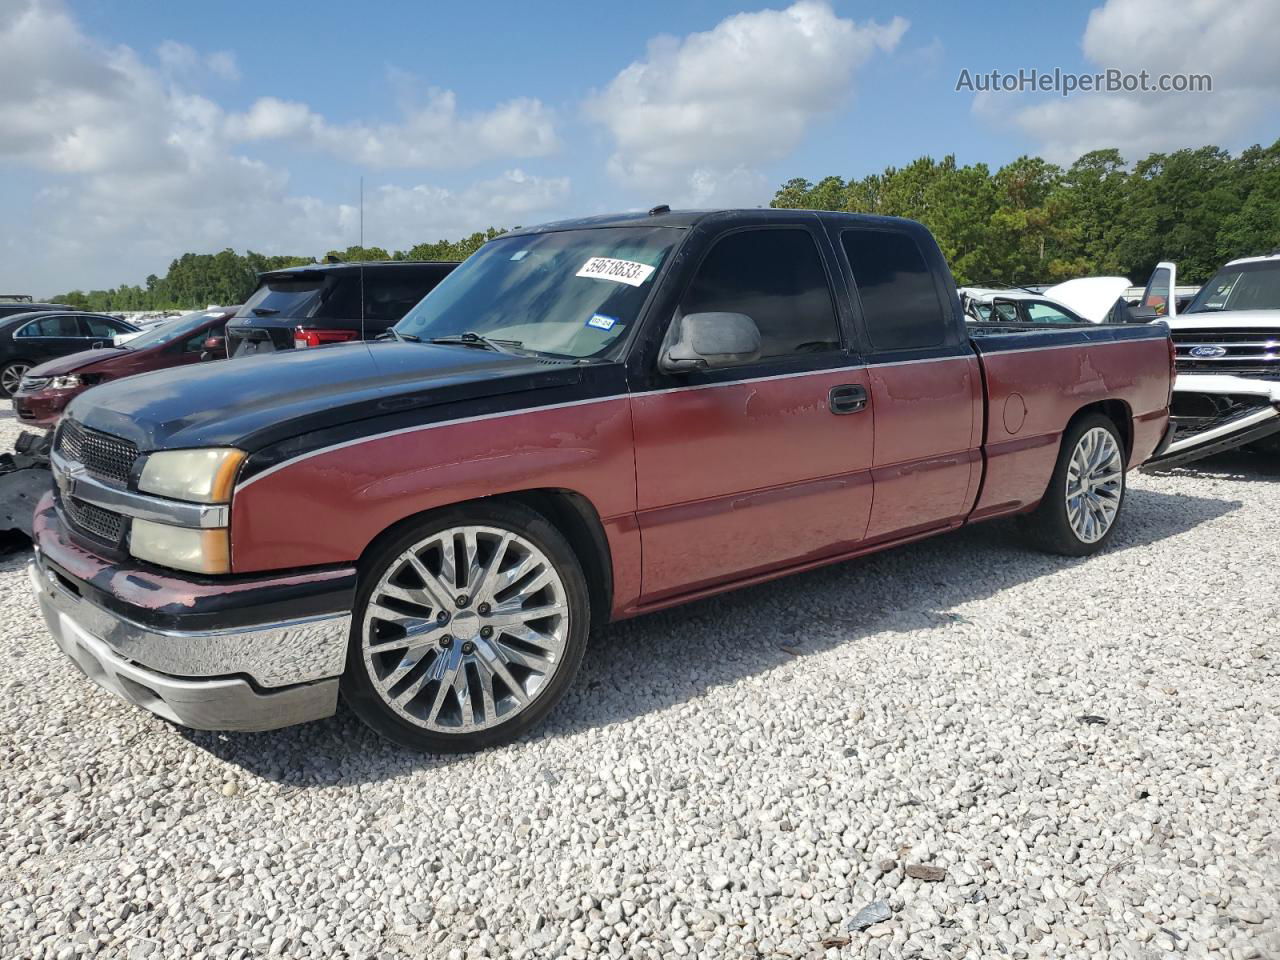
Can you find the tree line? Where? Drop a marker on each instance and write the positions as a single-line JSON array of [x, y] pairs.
[[1033, 221], [197, 280]]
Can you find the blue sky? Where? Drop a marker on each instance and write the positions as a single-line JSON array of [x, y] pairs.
[[131, 132]]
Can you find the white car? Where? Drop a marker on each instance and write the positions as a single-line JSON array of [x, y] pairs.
[[1227, 345], [1086, 300]]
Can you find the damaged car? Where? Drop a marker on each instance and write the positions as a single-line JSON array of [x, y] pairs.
[[1227, 343]]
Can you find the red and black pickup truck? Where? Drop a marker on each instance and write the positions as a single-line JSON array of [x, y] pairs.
[[585, 421]]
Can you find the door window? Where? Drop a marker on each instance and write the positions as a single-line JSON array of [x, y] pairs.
[[1039, 312], [51, 327], [900, 303], [100, 328], [776, 278]]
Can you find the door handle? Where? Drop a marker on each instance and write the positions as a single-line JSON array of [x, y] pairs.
[[847, 398]]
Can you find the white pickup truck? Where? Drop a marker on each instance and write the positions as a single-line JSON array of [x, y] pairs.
[[1227, 342]]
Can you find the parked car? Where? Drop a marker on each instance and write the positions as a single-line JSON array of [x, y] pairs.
[[9, 307], [315, 305], [1227, 393], [1083, 300], [29, 338], [45, 390], [432, 524]]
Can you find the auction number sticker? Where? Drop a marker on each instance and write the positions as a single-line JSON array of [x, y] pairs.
[[620, 271]]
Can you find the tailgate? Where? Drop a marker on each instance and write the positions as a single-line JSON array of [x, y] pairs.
[[247, 337]]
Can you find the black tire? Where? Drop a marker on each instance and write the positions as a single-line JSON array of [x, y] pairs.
[[12, 372], [357, 686], [1049, 527]]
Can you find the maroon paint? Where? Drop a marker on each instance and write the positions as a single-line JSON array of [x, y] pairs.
[[144, 586], [927, 450], [327, 508], [739, 478], [1054, 384]]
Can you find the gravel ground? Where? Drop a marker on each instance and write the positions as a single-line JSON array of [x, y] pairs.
[[955, 749]]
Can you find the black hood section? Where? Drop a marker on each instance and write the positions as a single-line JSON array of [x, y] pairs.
[[253, 402]]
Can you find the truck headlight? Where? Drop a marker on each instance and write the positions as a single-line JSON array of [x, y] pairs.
[[182, 548], [203, 476]]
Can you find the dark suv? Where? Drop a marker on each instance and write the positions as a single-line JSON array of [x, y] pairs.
[[321, 303]]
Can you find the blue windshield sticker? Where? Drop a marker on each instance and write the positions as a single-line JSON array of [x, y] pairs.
[[602, 322]]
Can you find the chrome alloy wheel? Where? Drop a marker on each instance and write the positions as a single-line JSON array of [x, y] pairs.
[[465, 628], [1095, 483], [11, 377]]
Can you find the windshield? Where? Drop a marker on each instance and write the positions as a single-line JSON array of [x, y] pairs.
[[170, 330], [1245, 286], [572, 293]]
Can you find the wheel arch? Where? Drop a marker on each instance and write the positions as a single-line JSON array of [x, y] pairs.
[[568, 511], [1118, 412]]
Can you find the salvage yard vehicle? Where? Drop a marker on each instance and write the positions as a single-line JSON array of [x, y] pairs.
[[1227, 393], [1084, 300], [325, 303], [585, 421], [29, 338], [45, 390]]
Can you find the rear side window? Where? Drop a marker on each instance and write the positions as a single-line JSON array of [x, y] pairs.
[[51, 327], [900, 303], [776, 278]]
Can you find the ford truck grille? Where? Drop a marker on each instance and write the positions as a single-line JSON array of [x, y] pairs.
[[104, 456], [1236, 352]]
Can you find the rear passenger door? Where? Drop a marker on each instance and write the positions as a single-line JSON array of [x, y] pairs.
[[49, 337], [926, 388], [746, 469]]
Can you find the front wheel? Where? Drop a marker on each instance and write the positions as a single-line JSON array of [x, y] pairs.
[[468, 629], [11, 376], [1079, 511]]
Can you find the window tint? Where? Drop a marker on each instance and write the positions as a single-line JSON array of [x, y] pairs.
[[899, 301], [51, 327], [1157, 293], [98, 327], [776, 278], [1044, 313]]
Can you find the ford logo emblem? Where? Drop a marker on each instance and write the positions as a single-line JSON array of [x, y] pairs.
[[1208, 352]]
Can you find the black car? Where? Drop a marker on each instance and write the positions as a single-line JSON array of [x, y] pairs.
[[321, 303], [9, 307], [33, 337]]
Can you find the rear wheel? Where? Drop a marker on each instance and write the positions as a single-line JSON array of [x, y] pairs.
[[468, 629], [1079, 511], [11, 375]]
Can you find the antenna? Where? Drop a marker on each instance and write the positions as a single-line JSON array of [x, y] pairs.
[[362, 336]]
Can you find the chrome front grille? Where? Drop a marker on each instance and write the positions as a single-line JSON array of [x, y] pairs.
[[1238, 352], [104, 456], [32, 384]]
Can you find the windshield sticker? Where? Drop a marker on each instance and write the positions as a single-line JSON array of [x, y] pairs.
[[519, 255], [601, 322], [620, 271]]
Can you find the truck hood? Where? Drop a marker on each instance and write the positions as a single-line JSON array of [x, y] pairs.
[[73, 362], [1227, 320], [253, 401]]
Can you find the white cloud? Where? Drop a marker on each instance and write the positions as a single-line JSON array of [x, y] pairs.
[[696, 118], [1231, 40], [431, 133], [137, 167]]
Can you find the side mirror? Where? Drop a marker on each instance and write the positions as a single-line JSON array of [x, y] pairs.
[[214, 348], [712, 340], [1142, 315]]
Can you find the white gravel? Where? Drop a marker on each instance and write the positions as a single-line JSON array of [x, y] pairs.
[[741, 777]]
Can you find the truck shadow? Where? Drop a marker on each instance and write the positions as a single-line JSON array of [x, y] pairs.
[[678, 655], [1238, 465]]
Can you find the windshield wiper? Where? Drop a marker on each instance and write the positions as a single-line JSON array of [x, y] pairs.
[[264, 311], [472, 339]]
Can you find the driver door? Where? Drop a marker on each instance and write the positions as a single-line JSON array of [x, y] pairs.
[[745, 469]]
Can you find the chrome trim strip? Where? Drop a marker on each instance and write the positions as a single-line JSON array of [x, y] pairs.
[[1234, 426], [73, 480], [1068, 346], [271, 654]]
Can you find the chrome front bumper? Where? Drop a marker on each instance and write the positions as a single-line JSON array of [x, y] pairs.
[[257, 678]]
